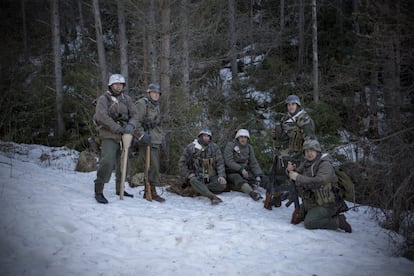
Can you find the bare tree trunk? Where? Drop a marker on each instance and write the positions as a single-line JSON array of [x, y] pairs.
[[60, 124], [100, 45], [301, 23], [152, 38], [232, 36], [355, 13], [24, 27], [373, 110], [186, 49], [123, 42], [281, 22], [165, 71], [315, 53]]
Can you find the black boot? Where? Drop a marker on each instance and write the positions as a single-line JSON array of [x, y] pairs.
[[255, 195], [125, 194], [100, 198]]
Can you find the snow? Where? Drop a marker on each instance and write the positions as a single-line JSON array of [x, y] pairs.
[[52, 225]]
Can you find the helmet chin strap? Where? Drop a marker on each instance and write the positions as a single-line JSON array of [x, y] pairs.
[[114, 93]]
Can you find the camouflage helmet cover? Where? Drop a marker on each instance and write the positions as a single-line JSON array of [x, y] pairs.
[[116, 78], [293, 99], [312, 144]]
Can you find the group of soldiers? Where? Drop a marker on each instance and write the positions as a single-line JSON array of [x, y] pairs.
[[299, 160]]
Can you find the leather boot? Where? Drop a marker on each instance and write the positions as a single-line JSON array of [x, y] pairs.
[[154, 195], [215, 200], [100, 198], [255, 195], [118, 188], [276, 200], [343, 224]]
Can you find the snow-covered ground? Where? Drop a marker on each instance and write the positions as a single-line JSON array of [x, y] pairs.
[[51, 225]]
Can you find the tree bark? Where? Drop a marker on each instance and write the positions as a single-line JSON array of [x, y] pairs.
[[60, 124], [152, 38], [123, 42], [165, 72], [315, 53], [100, 45], [24, 28], [186, 49], [301, 24], [232, 38]]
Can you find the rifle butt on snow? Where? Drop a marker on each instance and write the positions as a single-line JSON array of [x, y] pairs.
[[126, 143], [148, 195]]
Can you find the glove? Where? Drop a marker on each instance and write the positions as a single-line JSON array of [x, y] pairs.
[[293, 175], [146, 139], [222, 180], [128, 129]]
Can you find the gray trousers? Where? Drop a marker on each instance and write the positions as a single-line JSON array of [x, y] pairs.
[[109, 160], [321, 218], [154, 171], [207, 189]]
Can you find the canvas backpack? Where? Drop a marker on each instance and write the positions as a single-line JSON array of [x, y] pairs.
[[346, 188]]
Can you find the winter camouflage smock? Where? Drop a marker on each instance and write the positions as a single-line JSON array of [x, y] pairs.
[[315, 181], [238, 157], [295, 129], [202, 160], [149, 119], [112, 112]]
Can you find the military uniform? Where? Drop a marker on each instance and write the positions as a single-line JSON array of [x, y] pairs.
[[294, 129], [315, 179], [205, 163], [149, 122], [238, 157], [112, 112]]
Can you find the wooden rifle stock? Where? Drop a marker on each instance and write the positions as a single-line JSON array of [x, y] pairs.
[[126, 143], [148, 195]]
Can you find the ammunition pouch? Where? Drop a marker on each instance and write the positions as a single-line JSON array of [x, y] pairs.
[[150, 125], [296, 140]]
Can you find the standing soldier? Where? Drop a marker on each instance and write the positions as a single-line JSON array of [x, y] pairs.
[[115, 114], [202, 166], [295, 127], [242, 167], [149, 125]]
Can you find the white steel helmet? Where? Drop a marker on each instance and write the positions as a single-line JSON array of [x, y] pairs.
[[205, 131], [293, 99], [242, 132], [116, 78]]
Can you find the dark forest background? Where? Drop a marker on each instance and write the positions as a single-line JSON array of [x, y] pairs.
[[350, 61]]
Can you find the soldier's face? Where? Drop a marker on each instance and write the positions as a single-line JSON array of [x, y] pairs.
[[242, 140], [292, 107], [206, 138], [155, 96], [310, 154], [117, 87]]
